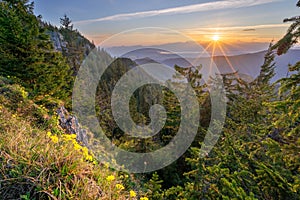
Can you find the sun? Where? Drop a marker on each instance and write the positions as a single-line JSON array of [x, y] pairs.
[[216, 38]]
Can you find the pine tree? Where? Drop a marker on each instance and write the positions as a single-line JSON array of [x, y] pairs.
[[66, 22]]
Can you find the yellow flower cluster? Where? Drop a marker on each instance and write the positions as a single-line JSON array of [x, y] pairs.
[[53, 138], [132, 193], [86, 154], [144, 198], [106, 165], [120, 187], [72, 138], [110, 178], [49, 134], [78, 147], [69, 137]]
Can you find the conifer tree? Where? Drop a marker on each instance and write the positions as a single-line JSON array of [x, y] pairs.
[[66, 22], [291, 37], [247, 162], [286, 110], [27, 54]]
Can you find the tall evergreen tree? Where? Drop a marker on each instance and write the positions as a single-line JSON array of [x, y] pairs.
[[27, 54]]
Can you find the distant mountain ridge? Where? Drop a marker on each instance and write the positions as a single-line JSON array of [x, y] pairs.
[[248, 64], [76, 47], [191, 49]]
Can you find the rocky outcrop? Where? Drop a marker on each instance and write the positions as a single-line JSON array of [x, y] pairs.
[[71, 126], [74, 47], [58, 41]]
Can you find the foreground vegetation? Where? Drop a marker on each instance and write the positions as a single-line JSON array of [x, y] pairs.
[[39, 161], [256, 157]]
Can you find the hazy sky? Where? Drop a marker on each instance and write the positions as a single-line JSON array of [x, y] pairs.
[[234, 20]]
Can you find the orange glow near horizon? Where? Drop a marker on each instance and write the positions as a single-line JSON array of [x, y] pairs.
[[216, 37], [200, 38]]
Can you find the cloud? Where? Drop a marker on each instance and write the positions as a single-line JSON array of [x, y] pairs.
[[210, 6], [249, 29], [234, 28]]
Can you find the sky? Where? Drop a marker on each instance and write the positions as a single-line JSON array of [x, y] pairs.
[[233, 21]]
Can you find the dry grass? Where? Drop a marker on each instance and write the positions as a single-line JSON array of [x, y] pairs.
[[37, 165]]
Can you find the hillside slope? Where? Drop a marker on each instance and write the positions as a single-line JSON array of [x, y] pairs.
[[39, 161]]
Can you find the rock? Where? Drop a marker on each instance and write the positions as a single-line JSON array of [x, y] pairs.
[[58, 41], [70, 124]]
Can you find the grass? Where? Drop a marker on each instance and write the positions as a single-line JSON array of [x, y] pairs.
[[39, 161]]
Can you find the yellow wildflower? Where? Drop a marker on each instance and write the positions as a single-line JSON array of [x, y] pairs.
[[69, 137], [48, 134], [120, 187], [85, 151], [110, 178], [132, 193], [54, 138], [89, 158], [73, 136], [106, 165], [77, 146], [144, 198]]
